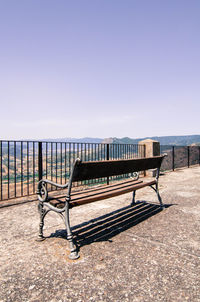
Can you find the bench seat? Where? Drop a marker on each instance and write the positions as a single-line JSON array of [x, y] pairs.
[[100, 193]]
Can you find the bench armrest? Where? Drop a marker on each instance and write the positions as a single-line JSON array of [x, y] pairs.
[[42, 188]]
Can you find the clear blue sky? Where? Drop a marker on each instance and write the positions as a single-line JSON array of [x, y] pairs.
[[99, 68]]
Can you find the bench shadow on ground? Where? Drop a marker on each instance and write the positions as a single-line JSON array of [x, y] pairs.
[[105, 227]]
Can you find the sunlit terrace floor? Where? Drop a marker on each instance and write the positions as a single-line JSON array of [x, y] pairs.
[[127, 254]]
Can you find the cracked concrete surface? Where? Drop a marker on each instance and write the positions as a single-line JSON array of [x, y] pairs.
[[126, 254]]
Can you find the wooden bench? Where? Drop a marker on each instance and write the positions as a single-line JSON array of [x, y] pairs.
[[83, 171]]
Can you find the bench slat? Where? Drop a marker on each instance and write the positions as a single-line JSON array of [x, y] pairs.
[[104, 190], [104, 187]]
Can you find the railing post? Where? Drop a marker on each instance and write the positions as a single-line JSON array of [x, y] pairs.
[[173, 158], [152, 148], [40, 170], [144, 146], [107, 158], [188, 155]]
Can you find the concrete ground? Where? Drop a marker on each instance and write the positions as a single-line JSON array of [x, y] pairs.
[[126, 254]]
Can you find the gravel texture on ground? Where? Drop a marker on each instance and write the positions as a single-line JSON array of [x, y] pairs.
[[137, 253]]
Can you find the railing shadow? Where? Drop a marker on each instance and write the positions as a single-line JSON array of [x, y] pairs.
[[105, 227]]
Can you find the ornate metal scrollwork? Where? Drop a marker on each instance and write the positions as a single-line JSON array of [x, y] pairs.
[[135, 175], [42, 192]]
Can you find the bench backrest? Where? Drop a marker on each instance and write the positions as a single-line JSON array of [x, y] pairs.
[[100, 169]]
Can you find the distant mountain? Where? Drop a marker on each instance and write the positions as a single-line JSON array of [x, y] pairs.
[[183, 140], [87, 140]]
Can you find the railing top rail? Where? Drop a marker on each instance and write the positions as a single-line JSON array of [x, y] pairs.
[[179, 146], [66, 142]]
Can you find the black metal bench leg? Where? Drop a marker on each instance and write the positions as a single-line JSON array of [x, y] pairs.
[[73, 250], [41, 225], [159, 198], [158, 195], [133, 200]]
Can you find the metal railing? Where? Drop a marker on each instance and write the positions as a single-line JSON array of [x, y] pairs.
[[23, 163], [180, 157]]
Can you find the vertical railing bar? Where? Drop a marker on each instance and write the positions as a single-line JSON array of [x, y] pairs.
[[46, 160], [51, 163], [40, 161], [78, 151], [65, 162], [73, 155], [33, 167], [113, 151], [15, 176], [173, 158], [89, 158], [8, 177], [56, 162], [107, 157], [85, 155], [61, 161], [69, 158], [73, 152], [27, 149], [81, 151], [93, 158], [188, 155], [21, 168]]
